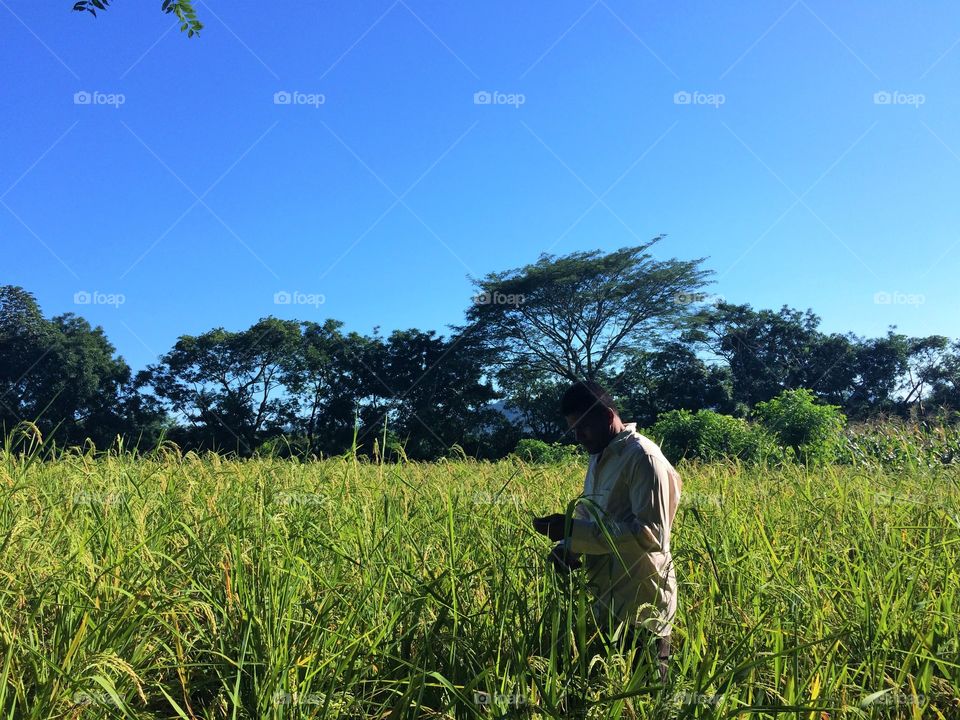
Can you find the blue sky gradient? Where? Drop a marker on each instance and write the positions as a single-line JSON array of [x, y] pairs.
[[817, 163]]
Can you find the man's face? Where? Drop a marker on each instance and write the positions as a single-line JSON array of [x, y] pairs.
[[592, 430]]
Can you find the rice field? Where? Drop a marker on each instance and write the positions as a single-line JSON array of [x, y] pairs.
[[186, 586]]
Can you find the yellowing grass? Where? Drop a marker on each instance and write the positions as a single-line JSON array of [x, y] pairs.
[[202, 587]]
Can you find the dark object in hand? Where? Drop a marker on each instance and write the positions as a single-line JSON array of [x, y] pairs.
[[563, 560], [552, 526]]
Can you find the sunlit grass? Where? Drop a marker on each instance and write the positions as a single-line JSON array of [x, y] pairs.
[[204, 587]]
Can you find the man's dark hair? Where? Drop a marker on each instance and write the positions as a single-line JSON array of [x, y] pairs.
[[584, 397]]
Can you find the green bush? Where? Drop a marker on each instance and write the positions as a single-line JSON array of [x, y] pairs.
[[537, 451], [810, 432], [707, 436]]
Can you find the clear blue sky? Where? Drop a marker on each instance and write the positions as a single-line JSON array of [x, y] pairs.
[[199, 198]]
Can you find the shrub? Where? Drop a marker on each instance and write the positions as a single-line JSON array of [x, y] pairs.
[[707, 436], [537, 451], [812, 433]]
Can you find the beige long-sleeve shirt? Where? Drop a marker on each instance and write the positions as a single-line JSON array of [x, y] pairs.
[[636, 492]]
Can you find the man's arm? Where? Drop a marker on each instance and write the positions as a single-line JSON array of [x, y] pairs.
[[649, 488]]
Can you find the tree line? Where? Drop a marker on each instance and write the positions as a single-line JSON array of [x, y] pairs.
[[644, 327]]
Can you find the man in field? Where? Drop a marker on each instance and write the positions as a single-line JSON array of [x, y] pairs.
[[623, 524]]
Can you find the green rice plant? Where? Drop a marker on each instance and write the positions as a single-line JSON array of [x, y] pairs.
[[171, 585]]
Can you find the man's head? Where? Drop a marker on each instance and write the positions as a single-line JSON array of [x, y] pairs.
[[591, 415]]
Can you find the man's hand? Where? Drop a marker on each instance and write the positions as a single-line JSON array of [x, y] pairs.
[[552, 526], [563, 560]]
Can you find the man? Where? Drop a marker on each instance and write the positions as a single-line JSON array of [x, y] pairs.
[[623, 529]]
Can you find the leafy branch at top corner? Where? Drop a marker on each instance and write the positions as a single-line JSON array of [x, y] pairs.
[[183, 9]]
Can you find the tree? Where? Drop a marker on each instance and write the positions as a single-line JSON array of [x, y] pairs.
[[945, 386], [63, 375], [315, 377], [532, 402], [86, 386], [925, 358], [880, 364], [671, 377], [227, 384], [336, 382], [771, 351], [182, 9], [767, 352], [25, 339], [441, 397], [576, 316]]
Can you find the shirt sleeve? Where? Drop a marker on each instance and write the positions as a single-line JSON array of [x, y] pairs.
[[644, 524]]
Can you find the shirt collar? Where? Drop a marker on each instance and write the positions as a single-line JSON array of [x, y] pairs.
[[616, 445]]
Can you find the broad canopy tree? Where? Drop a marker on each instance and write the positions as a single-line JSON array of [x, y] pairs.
[[577, 316]]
